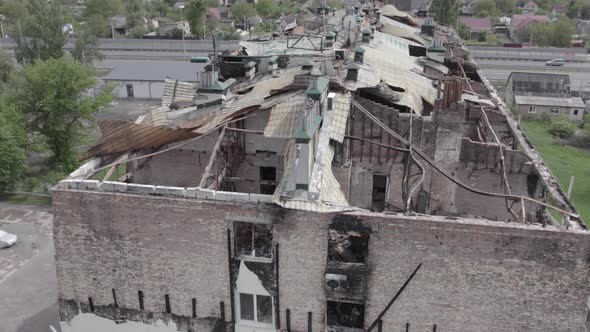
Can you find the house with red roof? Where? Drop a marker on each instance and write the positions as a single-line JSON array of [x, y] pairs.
[[477, 25], [558, 9], [521, 21]]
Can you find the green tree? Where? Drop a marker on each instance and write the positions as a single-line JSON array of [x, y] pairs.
[[53, 97], [506, 7], [86, 47], [12, 147], [266, 8], [15, 12], [555, 34], [42, 36], [6, 67], [486, 8], [562, 127], [195, 15], [242, 9], [445, 11], [464, 31], [103, 8], [135, 14]]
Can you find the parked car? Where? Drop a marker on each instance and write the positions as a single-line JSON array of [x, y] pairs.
[[555, 62], [7, 239]]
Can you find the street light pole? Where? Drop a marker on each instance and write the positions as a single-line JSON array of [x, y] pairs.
[[182, 22]]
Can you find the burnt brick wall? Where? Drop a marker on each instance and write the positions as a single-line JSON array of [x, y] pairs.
[[476, 275]]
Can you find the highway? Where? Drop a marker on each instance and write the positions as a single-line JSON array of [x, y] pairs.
[[499, 69]]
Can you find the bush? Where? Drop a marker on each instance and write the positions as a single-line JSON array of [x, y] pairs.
[[545, 118], [562, 128]]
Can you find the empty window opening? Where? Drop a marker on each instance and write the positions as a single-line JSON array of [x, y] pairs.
[[129, 90], [268, 174], [349, 247], [256, 308], [346, 314], [253, 240], [554, 110], [532, 109], [575, 112], [379, 189]]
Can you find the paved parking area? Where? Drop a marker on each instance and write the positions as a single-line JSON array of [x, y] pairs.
[[28, 285]]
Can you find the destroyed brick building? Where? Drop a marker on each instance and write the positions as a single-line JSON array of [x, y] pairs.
[[364, 179]]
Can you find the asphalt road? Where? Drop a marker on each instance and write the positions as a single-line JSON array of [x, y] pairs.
[[28, 283], [496, 70]]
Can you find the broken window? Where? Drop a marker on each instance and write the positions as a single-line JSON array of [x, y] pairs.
[[345, 314], [379, 188], [253, 239], [129, 90], [268, 174], [257, 308], [349, 247]]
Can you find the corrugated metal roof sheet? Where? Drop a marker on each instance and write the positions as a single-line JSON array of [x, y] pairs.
[[122, 136], [573, 102], [394, 28], [157, 116], [305, 46], [284, 117], [339, 117], [390, 59], [175, 90]]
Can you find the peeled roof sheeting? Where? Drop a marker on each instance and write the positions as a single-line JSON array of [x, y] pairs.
[[279, 47], [175, 90], [285, 116], [389, 57], [157, 117], [394, 28], [122, 136], [339, 117]]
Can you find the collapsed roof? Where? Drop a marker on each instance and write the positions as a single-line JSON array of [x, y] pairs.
[[402, 113]]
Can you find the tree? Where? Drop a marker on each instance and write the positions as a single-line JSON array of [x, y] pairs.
[[242, 9], [464, 31], [12, 147], [445, 11], [506, 7], [556, 34], [486, 8], [266, 8], [52, 95], [43, 34], [6, 67], [195, 14], [562, 127], [15, 12], [103, 8], [86, 47]]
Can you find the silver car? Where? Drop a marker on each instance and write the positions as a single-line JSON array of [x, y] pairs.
[[555, 62], [7, 239]]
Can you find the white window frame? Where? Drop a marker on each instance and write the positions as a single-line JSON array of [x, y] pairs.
[[532, 109], [255, 322], [554, 110]]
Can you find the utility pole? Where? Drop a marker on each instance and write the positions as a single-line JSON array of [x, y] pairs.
[[182, 30]]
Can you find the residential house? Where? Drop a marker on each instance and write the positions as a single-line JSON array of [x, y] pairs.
[[520, 21], [478, 27], [543, 93], [180, 25], [528, 7], [467, 8], [119, 24], [411, 5], [558, 9]]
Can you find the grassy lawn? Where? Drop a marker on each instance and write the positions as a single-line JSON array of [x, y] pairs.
[[564, 161], [26, 199]]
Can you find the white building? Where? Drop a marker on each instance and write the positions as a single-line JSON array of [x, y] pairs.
[[145, 79]]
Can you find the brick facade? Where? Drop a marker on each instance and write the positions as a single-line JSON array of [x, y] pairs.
[[476, 275]]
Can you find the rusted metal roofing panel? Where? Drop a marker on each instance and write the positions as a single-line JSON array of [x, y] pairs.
[[122, 136]]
